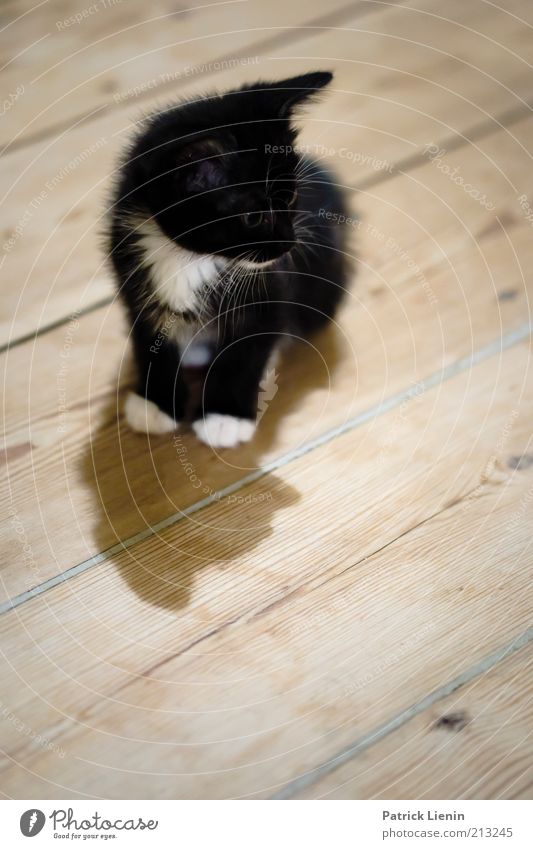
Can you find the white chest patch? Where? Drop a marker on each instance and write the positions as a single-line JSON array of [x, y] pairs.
[[178, 275]]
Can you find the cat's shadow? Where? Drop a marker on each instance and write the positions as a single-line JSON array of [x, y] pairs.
[[137, 482]]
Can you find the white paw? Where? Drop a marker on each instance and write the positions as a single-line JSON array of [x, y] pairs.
[[220, 431], [146, 417]]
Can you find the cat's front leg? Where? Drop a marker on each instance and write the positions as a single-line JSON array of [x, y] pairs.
[[158, 405], [228, 414]]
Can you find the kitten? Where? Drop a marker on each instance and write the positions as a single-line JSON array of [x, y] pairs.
[[224, 243]]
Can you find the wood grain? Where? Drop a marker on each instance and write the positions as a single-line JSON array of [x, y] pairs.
[[89, 57], [76, 60], [376, 541], [224, 658], [475, 744], [398, 87], [78, 481]]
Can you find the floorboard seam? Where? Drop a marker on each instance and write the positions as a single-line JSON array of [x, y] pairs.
[[461, 365], [373, 737]]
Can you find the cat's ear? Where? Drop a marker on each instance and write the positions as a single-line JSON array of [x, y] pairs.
[[294, 91], [201, 164]]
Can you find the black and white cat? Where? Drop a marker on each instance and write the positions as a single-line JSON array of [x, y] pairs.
[[225, 242]]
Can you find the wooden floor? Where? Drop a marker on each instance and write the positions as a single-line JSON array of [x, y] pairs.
[[343, 608]]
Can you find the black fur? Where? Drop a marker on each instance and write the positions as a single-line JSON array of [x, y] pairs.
[[219, 176]]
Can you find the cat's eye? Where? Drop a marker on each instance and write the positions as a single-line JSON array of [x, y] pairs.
[[253, 219], [292, 199]]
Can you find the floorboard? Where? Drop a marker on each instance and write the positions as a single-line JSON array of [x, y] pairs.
[[88, 58], [474, 744], [236, 641]]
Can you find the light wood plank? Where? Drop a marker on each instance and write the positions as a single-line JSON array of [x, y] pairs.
[[397, 88], [116, 51], [218, 660], [475, 744], [77, 483], [61, 68]]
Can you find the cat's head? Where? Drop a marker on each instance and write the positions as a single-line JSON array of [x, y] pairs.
[[219, 174]]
